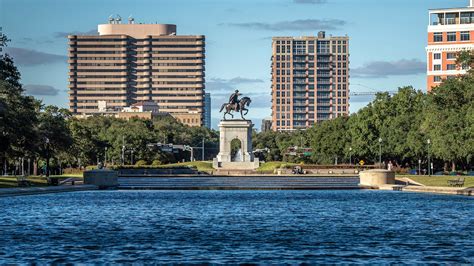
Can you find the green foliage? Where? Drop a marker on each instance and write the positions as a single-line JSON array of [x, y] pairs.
[[156, 163], [141, 163], [404, 121]]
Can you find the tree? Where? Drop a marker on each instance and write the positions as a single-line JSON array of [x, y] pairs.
[[17, 111], [448, 121]]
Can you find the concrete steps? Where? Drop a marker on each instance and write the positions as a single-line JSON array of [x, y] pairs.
[[246, 182]]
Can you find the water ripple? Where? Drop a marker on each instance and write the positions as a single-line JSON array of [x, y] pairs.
[[236, 227]]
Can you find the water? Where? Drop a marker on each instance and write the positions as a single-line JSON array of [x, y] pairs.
[[237, 227]]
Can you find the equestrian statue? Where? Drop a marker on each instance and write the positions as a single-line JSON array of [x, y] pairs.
[[236, 105]]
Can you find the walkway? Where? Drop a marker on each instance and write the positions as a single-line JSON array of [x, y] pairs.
[[8, 192]]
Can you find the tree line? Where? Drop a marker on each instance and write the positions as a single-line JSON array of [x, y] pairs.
[[398, 126], [31, 131], [404, 128]]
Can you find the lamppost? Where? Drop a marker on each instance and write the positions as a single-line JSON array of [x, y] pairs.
[[380, 151], [105, 157], [428, 141], [47, 157], [419, 167], [123, 155], [131, 157], [350, 155]]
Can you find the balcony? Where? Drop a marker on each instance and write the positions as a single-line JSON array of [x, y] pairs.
[[299, 110], [450, 17]]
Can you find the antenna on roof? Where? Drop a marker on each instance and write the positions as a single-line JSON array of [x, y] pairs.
[[118, 19], [131, 20], [111, 19]]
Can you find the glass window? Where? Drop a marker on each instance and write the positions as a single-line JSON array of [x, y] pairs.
[[437, 79], [437, 67], [451, 18], [451, 67], [451, 56], [466, 18], [451, 36], [438, 37], [437, 56], [465, 36]]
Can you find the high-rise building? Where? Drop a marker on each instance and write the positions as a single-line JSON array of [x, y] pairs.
[[207, 110], [310, 80], [130, 63], [450, 31], [266, 124]]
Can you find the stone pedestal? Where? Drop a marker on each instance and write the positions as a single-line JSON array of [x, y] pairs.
[[230, 130], [103, 178], [377, 177]]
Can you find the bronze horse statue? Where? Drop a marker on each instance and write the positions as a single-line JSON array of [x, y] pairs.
[[245, 101]]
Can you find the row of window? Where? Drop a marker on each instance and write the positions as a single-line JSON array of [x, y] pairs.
[[437, 67], [449, 56], [197, 90], [301, 50], [189, 120], [451, 36], [310, 58]]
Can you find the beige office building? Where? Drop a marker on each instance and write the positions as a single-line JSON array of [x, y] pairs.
[[129, 63], [310, 80]]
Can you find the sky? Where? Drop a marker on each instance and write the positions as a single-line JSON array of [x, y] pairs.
[[387, 40]]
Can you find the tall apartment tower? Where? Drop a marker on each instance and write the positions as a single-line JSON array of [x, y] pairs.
[[310, 80], [207, 110], [450, 31], [130, 63]]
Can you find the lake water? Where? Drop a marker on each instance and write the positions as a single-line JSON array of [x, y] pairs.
[[237, 227]]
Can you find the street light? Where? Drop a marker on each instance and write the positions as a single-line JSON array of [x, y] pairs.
[[350, 155], [380, 151], [105, 159], [428, 141], [47, 157]]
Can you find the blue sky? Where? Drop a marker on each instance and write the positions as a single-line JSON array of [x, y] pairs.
[[387, 39]]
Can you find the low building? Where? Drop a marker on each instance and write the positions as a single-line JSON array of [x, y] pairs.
[[143, 110]]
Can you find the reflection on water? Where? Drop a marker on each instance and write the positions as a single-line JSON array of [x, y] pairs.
[[237, 227]]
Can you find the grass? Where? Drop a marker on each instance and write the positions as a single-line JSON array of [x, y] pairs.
[[202, 166], [439, 181], [271, 166]]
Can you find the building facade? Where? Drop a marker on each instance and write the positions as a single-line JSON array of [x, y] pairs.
[[450, 31], [129, 63], [310, 80], [207, 110], [266, 124]]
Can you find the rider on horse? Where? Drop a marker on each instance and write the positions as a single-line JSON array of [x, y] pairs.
[[234, 100]]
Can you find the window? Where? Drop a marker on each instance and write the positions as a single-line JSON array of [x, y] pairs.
[[437, 67], [437, 79], [465, 36], [438, 37], [437, 56], [451, 67], [451, 36], [451, 56]]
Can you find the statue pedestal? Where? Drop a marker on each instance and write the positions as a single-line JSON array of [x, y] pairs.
[[230, 130]]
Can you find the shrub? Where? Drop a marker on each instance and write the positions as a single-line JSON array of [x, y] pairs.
[[156, 163], [141, 163]]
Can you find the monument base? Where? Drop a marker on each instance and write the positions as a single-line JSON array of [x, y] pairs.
[[240, 130], [236, 165]]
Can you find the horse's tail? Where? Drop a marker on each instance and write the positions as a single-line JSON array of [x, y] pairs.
[[222, 108]]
